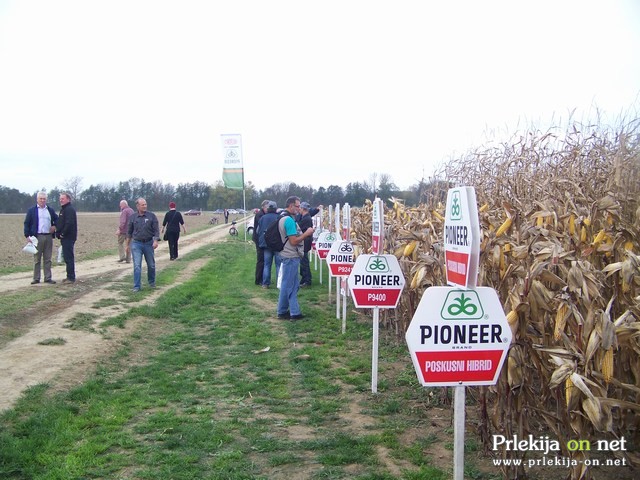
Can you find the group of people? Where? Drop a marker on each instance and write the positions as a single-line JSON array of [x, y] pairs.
[[44, 224], [139, 233], [295, 226], [138, 236]]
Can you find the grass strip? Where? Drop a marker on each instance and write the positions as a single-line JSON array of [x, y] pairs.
[[214, 386]]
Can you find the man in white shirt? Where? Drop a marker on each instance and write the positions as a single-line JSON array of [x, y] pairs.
[[40, 222]]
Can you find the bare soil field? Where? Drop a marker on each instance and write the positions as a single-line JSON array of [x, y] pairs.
[[96, 234]]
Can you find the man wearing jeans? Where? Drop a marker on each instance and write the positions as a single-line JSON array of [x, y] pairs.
[[143, 234], [288, 307]]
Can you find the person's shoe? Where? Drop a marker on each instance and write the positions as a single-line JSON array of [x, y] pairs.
[[296, 317], [303, 285], [33, 282], [52, 282], [135, 290], [265, 286], [68, 280], [121, 260], [284, 316], [152, 285]]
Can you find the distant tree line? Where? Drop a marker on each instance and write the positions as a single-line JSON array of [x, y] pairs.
[[105, 197]]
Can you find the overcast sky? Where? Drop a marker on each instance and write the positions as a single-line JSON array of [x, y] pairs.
[[323, 92]]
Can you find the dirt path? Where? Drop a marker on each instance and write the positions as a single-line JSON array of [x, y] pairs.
[[25, 363]]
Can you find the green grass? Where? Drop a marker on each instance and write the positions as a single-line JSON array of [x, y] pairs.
[[206, 403]]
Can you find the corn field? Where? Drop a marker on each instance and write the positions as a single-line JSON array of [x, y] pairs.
[[560, 243]]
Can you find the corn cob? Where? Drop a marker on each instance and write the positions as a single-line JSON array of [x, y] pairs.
[[512, 317], [409, 248], [607, 365], [599, 238], [418, 277], [504, 227], [568, 389], [561, 321], [438, 216], [572, 224], [484, 208], [583, 234]]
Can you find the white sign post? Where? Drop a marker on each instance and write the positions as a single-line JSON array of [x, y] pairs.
[[376, 281], [459, 336], [340, 261], [346, 233]]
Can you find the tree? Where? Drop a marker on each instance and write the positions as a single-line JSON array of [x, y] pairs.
[[355, 194], [73, 186]]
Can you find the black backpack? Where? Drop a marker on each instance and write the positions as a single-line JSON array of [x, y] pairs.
[[272, 236]]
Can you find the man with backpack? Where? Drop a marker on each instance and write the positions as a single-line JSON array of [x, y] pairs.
[[270, 217], [293, 249]]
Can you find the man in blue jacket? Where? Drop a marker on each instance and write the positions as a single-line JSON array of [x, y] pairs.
[[40, 222]]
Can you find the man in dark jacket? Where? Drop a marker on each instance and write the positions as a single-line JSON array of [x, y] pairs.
[[67, 232], [305, 221], [268, 255], [40, 222], [254, 237]]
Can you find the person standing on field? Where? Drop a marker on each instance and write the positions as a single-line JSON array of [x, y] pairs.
[[172, 221], [143, 234], [305, 221], [40, 222], [268, 255], [67, 232], [288, 307], [259, 251], [125, 213]]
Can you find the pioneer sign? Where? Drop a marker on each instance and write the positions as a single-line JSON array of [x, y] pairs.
[[458, 337], [325, 241], [462, 237], [341, 258], [376, 281]]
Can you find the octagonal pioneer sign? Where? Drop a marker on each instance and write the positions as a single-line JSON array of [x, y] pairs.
[[341, 258], [325, 241], [458, 337], [376, 281]]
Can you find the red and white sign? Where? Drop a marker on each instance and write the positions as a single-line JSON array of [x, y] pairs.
[[458, 337], [341, 258], [325, 241], [377, 237], [376, 281], [462, 237]]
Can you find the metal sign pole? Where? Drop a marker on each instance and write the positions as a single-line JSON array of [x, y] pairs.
[[458, 432], [374, 351]]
